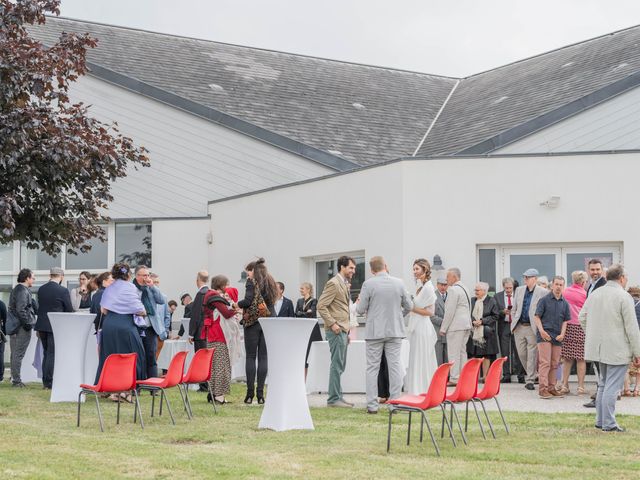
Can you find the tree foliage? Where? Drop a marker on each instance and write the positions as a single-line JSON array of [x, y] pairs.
[[57, 163]]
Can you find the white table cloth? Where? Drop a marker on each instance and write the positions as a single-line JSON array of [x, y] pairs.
[[354, 377], [70, 331], [170, 348], [28, 371], [91, 357], [286, 406]]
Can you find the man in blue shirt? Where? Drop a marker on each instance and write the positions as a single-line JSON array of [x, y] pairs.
[[552, 315]]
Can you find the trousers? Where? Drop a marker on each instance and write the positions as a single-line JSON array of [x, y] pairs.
[[527, 346], [18, 342], [338, 348], [255, 347], [610, 383], [457, 351], [374, 349], [48, 358]]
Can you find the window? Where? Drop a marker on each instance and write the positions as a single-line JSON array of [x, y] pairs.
[[7, 282], [487, 267], [94, 259], [133, 243], [37, 259], [327, 269], [6, 257]]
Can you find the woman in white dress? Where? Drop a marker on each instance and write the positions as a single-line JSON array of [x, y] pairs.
[[420, 332]]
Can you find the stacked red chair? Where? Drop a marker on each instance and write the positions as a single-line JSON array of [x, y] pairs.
[[199, 372], [464, 393], [492, 390]]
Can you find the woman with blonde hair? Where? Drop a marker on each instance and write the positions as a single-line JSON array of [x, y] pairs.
[[573, 343], [420, 332], [306, 308]]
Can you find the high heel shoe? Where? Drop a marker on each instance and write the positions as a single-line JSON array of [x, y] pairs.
[[248, 399]]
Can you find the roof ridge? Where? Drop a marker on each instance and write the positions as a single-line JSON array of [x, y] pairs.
[[253, 48], [615, 32]]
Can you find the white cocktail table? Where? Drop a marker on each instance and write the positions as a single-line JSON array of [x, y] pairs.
[[286, 406], [70, 331]]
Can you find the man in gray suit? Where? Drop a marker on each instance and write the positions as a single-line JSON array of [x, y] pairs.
[[456, 324], [385, 302], [438, 316]]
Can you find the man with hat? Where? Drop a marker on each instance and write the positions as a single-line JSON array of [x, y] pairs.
[[525, 302], [438, 316], [52, 297]]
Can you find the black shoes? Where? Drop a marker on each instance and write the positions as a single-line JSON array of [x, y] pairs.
[[529, 386], [591, 404], [248, 399], [505, 380], [260, 400], [520, 379], [370, 411], [614, 429]]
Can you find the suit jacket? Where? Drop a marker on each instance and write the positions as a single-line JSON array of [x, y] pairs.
[[52, 297], [286, 310], [196, 319], [499, 298], [333, 304], [438, 316], [457, 309], [385, 301], [301, 311], [601, 281], [518, 298], [609, 320]]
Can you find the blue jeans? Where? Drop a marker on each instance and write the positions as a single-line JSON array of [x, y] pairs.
[[610, 383], [338, 348]]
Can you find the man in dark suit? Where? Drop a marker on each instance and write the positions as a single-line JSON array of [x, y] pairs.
[[438, 316], [596, 272], [52, 297], [504, 300], [283, 306], [196, 317], [3, 339]]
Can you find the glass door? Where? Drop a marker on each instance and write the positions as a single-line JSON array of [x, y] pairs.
[[548, 261], [577, 258]]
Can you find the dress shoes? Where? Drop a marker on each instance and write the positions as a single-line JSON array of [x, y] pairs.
[[505, 380], [529, 386], [614, 429], [340, 404], [520, 379], [371, 411], [348, 403], [591, 404]]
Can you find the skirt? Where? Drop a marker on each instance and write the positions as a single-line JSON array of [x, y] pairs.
[[120, 335], [573, 343], [220, 380]]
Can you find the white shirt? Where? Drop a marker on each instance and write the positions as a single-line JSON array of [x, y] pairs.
[[277, 306]]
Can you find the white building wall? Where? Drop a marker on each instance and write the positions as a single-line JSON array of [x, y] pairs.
[[612, 125], [192, 160], [180, 250], [419, 208]]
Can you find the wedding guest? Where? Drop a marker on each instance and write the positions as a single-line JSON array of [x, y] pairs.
[[81, 295], [120, 303], [438, 316], [422, 337], [260, 289], [153, 326], [102, 281], [283, 307], [551, 317], [162, 322], [633, 373], [573, 343], [21, 306], [232, 330], [543, 281], [216, 311], [3, 338], [306, 308], [483, 342], [612, 338]]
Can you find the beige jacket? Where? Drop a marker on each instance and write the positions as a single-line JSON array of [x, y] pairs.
[[608, 318], [518, 300], [457, 309], [333, 304]]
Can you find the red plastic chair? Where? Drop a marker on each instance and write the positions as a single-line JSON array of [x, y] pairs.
[[172, 379], [421, 403], [199, 372], [465, 391], [118, 376], [492, 390]]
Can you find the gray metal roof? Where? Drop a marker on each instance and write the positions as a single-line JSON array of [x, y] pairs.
[[494, 108], [360, 113]]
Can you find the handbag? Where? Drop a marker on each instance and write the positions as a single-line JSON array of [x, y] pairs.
[[257, 309], [13, 324]]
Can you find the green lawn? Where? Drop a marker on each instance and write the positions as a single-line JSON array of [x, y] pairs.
[[40, 440]]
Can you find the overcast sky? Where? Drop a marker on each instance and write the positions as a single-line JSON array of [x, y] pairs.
[[444, 37]]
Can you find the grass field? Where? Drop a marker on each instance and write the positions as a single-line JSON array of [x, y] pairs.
[[40, 440]]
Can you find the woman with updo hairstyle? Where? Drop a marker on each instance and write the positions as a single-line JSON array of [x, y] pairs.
[[102, 281], [119, 305], [258, 278], [420, 332]]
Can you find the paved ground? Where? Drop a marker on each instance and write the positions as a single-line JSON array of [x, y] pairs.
[[514, 397]]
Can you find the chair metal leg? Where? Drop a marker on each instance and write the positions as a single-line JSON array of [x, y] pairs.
[[161, 399], [444, 419], [186, 396], [421, 426], [466, 415], [166, 399], [464, 438], [501, 415], [79, 403], [213, 399], [389, 431], [118, 411], [137, 408], [484, 436], [99, 412], [409, 428], [184, 402], [487, 417], [433, 438], [153, 403]]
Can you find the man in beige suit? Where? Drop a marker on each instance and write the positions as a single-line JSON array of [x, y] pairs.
[[525, 302], [456, 323], [333, 308]]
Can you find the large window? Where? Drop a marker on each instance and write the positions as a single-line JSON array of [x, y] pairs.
[[6, 257], [133, 243], [327, 269], [37, 259], [487, 267], [94, 259]]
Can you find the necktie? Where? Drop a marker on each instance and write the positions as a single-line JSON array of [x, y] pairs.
[[509, 305]]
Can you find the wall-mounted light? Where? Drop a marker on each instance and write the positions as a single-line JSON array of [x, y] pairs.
[[437, 263], [551, 202], [243, 277], [209, 238]]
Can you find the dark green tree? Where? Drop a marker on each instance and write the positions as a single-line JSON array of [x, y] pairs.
[[57, 163]]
